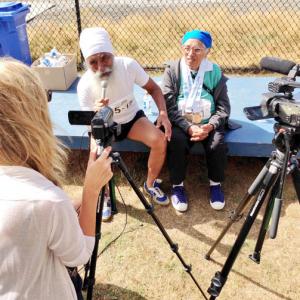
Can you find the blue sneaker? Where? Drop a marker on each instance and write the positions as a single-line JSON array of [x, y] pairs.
[[156, 194], [217, 200], [179, 198], [106, 212]]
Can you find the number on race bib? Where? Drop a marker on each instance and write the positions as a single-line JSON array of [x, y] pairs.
[[117, 110]]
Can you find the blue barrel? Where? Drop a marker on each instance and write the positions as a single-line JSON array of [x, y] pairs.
[[13, 33]]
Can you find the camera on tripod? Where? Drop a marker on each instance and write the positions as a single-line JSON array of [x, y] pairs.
[[279, 103], [269, 183], [103, 128]]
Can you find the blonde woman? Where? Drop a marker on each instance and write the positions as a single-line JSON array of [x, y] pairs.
[[39, 229]]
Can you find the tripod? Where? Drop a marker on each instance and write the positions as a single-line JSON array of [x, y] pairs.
[[90, 267], [89, 279], [268, 185]]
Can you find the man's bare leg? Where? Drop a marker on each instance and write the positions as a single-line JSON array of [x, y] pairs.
[[144, 131]]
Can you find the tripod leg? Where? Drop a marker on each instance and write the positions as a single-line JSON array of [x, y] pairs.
[[278, 198], [112, 195], [174, 247], [296, 182], [255, 256], [90, 278], [220, 278], [237, 213]]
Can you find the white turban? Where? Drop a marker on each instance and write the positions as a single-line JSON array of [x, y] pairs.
[[94, 40]]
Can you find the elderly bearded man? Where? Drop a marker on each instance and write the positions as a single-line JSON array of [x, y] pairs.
[[121, 74]]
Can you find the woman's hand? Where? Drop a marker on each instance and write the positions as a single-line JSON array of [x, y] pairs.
[[98, 171], [200, 133]]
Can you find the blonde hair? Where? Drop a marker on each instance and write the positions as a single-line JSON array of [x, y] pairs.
[[26, 136]]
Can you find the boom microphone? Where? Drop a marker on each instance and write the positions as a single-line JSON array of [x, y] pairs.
[[278, 65]]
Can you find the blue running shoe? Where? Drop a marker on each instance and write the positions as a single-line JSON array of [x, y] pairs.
[[156, 194], [179, 198], [217, 200]]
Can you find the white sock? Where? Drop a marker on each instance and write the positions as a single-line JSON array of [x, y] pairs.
[[214, 183], [180, 184]]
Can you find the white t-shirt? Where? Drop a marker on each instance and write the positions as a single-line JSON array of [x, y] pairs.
[[126, 72], [39, 236]]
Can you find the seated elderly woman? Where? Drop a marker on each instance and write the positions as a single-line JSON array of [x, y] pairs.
[[198, 107], [39, 228]]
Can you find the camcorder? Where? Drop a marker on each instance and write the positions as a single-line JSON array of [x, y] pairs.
[[103, 128], [279, 103]]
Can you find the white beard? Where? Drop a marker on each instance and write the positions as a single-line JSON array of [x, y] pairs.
[[97, 82], [96, 86]]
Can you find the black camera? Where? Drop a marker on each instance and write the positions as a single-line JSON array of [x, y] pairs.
[[279, 103], [104, 129]]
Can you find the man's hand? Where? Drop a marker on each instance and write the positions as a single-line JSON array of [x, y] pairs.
[[101, 103], [164, 121], [199, 133], [154, 90]]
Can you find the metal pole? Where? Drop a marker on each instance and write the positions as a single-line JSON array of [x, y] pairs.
[[78, 20]]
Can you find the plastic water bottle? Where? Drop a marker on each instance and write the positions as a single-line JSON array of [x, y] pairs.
[[45, 62], [147, 104], [53, 59], [54, 53]]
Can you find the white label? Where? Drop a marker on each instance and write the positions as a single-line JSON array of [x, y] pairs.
[[206, 109]]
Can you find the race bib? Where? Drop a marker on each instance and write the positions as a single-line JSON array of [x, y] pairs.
[[124, 109], [123, 106]]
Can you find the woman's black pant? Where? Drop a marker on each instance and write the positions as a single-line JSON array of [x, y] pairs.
[[215, 151]]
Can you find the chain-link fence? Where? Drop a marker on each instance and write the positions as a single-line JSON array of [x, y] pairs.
[[150, 30]]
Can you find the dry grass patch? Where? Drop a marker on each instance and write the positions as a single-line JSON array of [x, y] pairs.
[[152, 36], [140, 264]]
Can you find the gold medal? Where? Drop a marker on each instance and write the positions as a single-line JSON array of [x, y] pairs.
[[197, 118]]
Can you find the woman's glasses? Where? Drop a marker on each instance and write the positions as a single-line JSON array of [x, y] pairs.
[[197, 50]]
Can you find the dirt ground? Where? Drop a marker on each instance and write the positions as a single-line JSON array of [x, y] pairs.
[[140, 264]]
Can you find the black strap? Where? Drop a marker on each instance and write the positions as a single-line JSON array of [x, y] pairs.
[[210, 91], [77, 281]]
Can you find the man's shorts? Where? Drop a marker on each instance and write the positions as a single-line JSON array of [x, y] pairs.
[[125, 128]]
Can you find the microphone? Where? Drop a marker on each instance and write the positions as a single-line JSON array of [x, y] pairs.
[[103, 88], [278, 65]]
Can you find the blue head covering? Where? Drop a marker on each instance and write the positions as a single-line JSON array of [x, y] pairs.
[[200, 35]]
